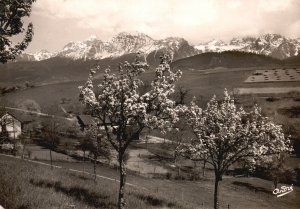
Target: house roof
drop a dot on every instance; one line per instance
(22, 117)
(86, 120)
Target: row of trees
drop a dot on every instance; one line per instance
(222, 133)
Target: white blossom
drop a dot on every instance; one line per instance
(124, 111)
(230, 134)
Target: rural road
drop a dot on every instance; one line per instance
(34, 112)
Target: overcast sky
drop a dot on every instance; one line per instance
(56, 22)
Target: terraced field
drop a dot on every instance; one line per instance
(274, 75)
(266, 90)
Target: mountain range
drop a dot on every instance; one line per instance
(273, 45)
(123, 43)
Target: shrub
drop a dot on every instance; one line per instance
(168, 175)
(272, 99)
(7, 147)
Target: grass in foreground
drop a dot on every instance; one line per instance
(24, 185)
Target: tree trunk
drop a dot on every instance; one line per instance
(275, 181)
(23, 151)
(24, 143)
(216, 192)
(203, 168)
(121, 202)
(51, 158)
(95, 163)
(195, 174)
(15, 146)
(83, 160)
(178, 172)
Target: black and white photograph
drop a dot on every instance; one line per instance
(149, 104)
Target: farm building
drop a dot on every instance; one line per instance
(85, 121)
(12, 124)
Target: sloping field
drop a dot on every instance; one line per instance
(275, 75)
(267, 90)
(201, 85)
(47, 96)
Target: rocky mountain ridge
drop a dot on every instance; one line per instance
(273, 45)
(124, 43)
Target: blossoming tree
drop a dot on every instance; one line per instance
(124, 109)
(225, 135)
(11, 24)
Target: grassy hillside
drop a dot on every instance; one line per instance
(295, 60)
(202, 84)
(28, 185)
(49, 71)
(228, 59)
(56, 80)
(57, 69)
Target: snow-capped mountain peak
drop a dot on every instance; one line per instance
(42, 55)
(274, 45)
(125, 43)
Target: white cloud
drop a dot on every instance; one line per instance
(294, 29)
(194, 12)
(234, 4)
(74, 8)
(194, 20)
(104, 12)
(274, 5)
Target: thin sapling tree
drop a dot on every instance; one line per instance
(51, 136)
(96, 145)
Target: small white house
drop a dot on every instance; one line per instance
(11, 125)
